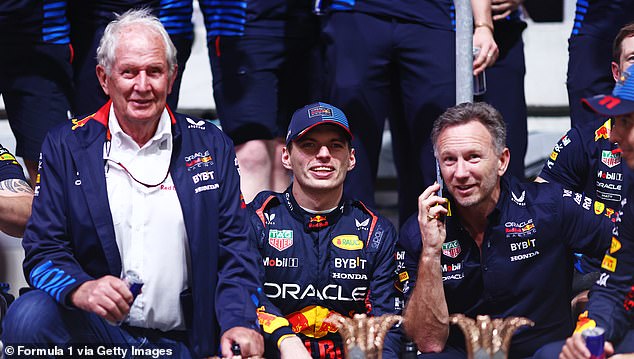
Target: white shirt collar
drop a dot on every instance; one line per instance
(162, 137)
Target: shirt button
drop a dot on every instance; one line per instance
(486, 268)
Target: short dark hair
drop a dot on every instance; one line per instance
(467, 112)
(625, 32)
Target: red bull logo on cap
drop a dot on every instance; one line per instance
(319, 111)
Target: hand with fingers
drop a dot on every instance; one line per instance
(108, 297)
(504, 8)
(250, 341)
(483, 40)
(431, 214)
(575, 348)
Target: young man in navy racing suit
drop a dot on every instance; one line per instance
(321, 254)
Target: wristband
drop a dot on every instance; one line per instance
(483, 24)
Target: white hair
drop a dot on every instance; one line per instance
(110, 38)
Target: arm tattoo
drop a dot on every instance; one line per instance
(15, 186)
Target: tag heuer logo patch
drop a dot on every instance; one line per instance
(280, 239)
(451, 249)
(610, 159)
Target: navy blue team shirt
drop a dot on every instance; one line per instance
(585, 161)
(524, 267)
(611, 304)
(34, 21)
(598, 17)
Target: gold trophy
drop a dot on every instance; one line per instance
(363, 336)
(486, 338)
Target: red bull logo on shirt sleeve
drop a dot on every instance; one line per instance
(270, 322)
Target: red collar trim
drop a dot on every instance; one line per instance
(102, 115)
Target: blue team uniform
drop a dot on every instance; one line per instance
(524, 266)
(611, 303)
(590, 51)
(264, 61)
(88, 20)
(505, 87)
(71, 211)
(176, 17)
(396, 60)
(585, 161)
(316, 265)
(35, 69)
(9, 167)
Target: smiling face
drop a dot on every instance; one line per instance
(319, 161)
(139, 81)
(470, 165)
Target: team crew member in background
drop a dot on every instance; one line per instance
(496, 246)
(137, 187)
(265, 65)
(505, 79)
(176, 17)
(611, 302)
(16, 195)
(35, 71)
(396, 60)
(322, 253)
(596, 23)
(88, 20)
(585, 161)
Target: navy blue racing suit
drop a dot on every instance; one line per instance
(585, 161)
(316, 265)
(524, 265)
(611, 304)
